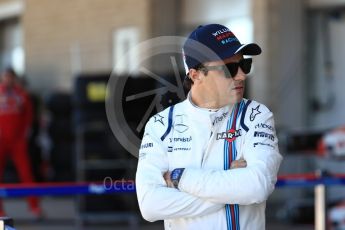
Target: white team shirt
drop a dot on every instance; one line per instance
(199, 140)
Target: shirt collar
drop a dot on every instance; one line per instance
(204, 114)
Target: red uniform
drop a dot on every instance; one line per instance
(15, 121)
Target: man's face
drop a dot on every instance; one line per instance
(222, 89)
(8, 79)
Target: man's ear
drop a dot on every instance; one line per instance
(194, 75)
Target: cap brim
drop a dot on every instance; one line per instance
(249, 49)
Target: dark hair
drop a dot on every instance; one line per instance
(187, 82)
(11, 71)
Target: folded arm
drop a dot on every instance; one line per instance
(243, 186)
(156, 200)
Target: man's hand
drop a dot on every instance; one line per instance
(167, 179)
(240, 163)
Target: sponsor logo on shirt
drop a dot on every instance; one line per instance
(146, 145)
(158, 118)
(264, 126)
(181, 139)
(10, 103)
(179, 125)
(260, 143)
(230, 135)
(263, 134)
(172, 149)
(254, 113)
(220, 118)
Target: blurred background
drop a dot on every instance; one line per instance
(64, 52)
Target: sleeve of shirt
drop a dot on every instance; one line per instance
(156, 200)
(243, 186)
(27, 113)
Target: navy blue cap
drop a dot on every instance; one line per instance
(214, 42)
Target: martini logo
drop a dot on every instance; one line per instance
(230, 135)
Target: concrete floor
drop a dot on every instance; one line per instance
(60, 213)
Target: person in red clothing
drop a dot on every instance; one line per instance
(15, 122)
